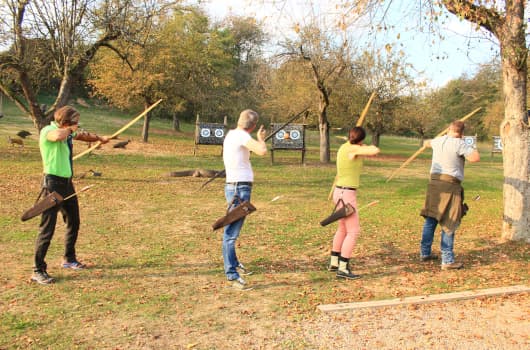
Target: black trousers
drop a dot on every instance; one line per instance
(70, 211)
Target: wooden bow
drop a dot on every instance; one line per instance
(422, 148)
(359, 123)
(128, 125)
(365, 110)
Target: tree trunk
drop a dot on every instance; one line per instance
(176, 123)
(515, 133)
(36, 114)
(376, 136)
(145, 129)
(147, 119)
(323, 126)
(422, 141)
(324, 142)
(323, 123)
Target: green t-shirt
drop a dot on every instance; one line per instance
(55, 155)
(348, 171)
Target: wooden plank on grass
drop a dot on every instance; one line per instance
(424, 299)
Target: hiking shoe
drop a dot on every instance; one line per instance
(429, 257)
(42, 277)
(243, 270)
(240, 284)
(452, 266)
(74, 265)
(347, 275)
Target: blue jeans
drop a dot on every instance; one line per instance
(446, 244)
(231, 231)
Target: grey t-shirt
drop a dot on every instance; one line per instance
(448, 156)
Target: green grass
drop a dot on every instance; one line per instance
(156, 275)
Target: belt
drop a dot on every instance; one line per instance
(58, 178)
(346, 188)
(242, 183)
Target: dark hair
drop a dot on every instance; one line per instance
(356, 135)
(65, 115)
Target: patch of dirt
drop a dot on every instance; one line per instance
(485, 323)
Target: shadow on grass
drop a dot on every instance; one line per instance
(388, 261)
(396, 259)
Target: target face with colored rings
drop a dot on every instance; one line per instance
(219, 133)
(295, 134)
(280, 135)
(205, 132)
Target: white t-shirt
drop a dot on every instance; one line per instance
(236, 156)
(448, 156)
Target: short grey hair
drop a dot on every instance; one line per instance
(247, 119)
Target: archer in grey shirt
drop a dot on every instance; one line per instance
(448, 156)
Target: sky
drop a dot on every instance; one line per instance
(461, 51)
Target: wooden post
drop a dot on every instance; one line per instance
(196, 134)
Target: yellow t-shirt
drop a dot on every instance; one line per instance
(348, 171)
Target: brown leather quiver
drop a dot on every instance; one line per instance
(346, 210)
(48, 202)
(239, 212)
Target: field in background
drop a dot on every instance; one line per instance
(156, 279)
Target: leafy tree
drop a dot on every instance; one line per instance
(419, 113)
(70, 34)
(327, 60)
(184, 62)
(349, 97)
(385, 74)
(464, 94)
(250, 71)
(288, 90)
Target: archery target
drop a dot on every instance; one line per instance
(210, 134)
(470, 140)
(497, 143)
(295, 134)
(289, 137)
(219, 133)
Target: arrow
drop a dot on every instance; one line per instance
(81, 190)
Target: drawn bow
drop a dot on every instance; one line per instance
(128, 125)
(422, 148)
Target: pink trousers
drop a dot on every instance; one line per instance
(349, 227)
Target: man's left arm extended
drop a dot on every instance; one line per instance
(90, 137)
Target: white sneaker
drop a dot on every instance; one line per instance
(243, 270)
(241, 284)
